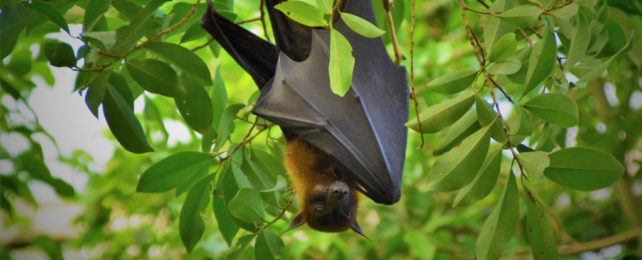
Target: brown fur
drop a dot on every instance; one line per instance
(310, 169)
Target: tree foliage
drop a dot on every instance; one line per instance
(525, 111)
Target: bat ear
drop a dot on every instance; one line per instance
(296, 222)
(357, 228)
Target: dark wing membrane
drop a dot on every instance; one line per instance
(292, 38)
(383, 89)
(257, 56)
(300, 101)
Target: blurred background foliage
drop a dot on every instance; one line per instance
(114, 213)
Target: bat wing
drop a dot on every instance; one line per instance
(257, 56)
(364, 130)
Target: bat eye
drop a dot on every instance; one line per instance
(318, 210)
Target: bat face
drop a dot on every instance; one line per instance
(331, 207)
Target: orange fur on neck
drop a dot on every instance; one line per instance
(307, 167)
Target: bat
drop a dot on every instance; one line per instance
(336, 146)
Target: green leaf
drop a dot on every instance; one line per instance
(268, 245)
(442, 115)
(13, 20)
(522, 15)
(521, 124)
(595, 71)
(96, 92)
(191, 225)
(226, 224)
(138, 27)
(302, 13)
(505, 67)
(501, 225)
(484, 180)
(453, 82)
(457, 168)
(49, 246)
(534, 163)
(49, 11)
(539, 230)
(541, 61)
(247, 206)
(94, 12)
(195, 106)
(461, 129)
(554, 108)
(325, 5)
(579, 42)
(108, 39)
(194, 32)
(183, 58)
(341, 63)
(59, 54)
(487, 116)
(505, 47)
(495, 28)
(361, 26)
(226, 125)
(172, 171)
(122, 122)
(583, 168)
(156, 77)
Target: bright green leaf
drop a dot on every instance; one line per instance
(108, 39)
(579, 42)
(302, 13)
(341, 63)
(583, 168)
(486, 116)
(361, 26)
(442, 115)
(453, 82)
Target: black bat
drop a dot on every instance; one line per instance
(363, 131)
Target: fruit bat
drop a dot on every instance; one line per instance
(336, 146)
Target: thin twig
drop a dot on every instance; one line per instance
(530, 42)
(393, 33)
(262, 13)
(203, 45)
(483, 3)
(412, 71)
(249, 20)
(285, 208)
(600, 243)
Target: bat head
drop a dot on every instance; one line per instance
(329, 207)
